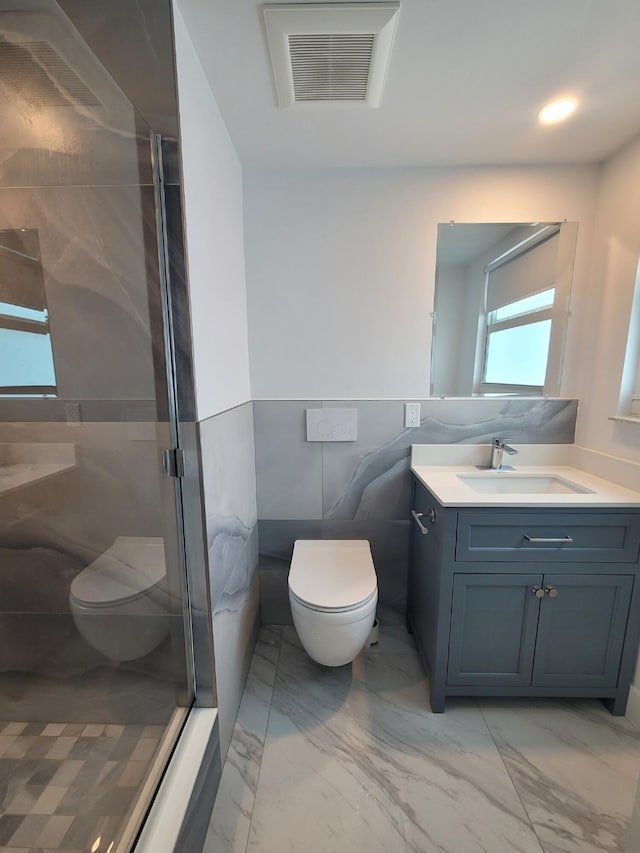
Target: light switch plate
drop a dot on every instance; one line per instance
(332, 424)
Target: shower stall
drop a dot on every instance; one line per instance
(98, 664)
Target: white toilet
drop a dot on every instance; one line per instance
(333, 591)
(119, 602)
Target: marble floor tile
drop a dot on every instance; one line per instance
(351, 759)
(575, 767)
(231, 818)
(392, 634)
(354, 761)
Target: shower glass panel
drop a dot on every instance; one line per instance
(95, 654)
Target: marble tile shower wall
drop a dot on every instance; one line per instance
(361, 489)
(95, 224)
(99, 261)
(228, 470)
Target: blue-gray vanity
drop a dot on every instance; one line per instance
(524, 594)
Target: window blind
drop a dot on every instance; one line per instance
(529, 272)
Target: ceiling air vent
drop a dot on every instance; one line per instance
(36, 72)
(330, 54)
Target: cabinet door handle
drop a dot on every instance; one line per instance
(551, 591)
(416, 517)
(538, 591)
(549, 540)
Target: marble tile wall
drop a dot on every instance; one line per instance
(50, 530)
(95, 218)
(361, 489)
(91, 138)
(228, 466)
(99, 260)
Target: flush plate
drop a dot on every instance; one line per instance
(332, 424)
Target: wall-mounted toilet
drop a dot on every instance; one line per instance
(119, 602)
(333, 591)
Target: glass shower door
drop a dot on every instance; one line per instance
(95, 657)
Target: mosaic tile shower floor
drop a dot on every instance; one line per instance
(70, 787)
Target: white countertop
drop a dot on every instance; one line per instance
(23, 464)
(443, 480)
(17, 476)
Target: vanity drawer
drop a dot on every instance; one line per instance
(559, 537)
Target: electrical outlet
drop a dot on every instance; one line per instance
(73, 414)
(412, 414)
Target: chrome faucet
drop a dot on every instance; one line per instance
(498, 449)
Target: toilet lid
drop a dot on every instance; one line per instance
(332, 573)
(130, 567)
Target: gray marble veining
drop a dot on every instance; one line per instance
(575, 767)
(229, 480)
(231, 818)
(389, 547)
(288, 468)
(369, 478)
(99, 274)
(235, 627)
(362, 489)
(228, 470)
(376, 484)
(350, 758)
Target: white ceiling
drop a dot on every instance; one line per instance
(465, 82)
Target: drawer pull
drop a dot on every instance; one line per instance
(549, 540)
(416, 517)
(538, 591)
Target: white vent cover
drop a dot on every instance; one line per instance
(37, 72)
(330, 54)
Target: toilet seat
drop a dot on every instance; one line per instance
(332, 575)
(127, 571)
(319, 609)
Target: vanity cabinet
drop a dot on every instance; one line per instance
(525, 602)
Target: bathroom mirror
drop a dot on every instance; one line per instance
(501, 308)
(26, 356)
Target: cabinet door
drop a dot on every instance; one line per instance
(581, 630)
(493, 629)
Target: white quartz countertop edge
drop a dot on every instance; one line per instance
(18, 476)
(444, 483)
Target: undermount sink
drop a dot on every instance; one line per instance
(506, 483)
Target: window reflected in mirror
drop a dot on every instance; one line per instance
(26, 354)
(501, 308)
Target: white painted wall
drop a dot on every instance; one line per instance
(616, 250)
(212, 177)
(452, 300)
(341, 266)
(606, 314)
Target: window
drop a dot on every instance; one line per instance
(629, 402)
(520, 295)
(26, 355)
(517, 342)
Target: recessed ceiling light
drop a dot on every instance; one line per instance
(557, 110)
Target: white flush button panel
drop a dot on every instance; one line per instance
(332, 424)
(412, 414)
